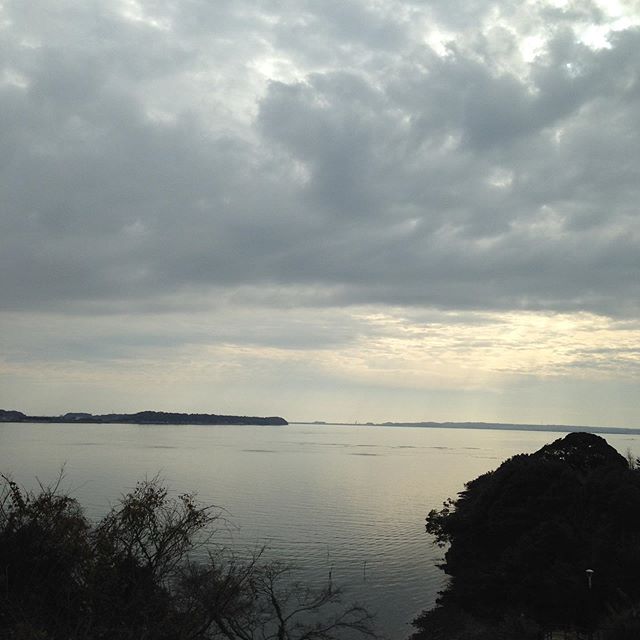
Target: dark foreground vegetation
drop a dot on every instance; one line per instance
(143, 417)
(547, 541)
(131, 576)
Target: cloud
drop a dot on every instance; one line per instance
(182, 164)
(415, 179)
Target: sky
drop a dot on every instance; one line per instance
(341, 210)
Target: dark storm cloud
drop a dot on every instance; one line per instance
(145, 157)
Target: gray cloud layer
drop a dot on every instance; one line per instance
(318, 153)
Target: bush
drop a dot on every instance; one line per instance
(131, 577)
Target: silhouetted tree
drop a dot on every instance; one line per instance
(519, 540)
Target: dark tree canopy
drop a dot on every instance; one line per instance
(520, 539)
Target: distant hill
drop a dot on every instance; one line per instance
(11, 416)
(499, 426)
(142, 417)
(554, 428)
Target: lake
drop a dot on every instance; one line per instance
(347, 499)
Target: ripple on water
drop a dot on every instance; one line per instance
(299, 490)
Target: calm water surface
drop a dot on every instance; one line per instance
(346, 499)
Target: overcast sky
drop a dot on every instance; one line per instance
(322, 209)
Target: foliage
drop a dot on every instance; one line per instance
(44, 552)
(132, 577)
(519, 540)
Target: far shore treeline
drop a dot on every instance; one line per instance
(143, 417)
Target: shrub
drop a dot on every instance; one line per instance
(131, 576)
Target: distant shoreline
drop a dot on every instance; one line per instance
(171, 418)
(494, 426)
(143, 417)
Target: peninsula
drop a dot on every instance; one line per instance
(143, 417)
